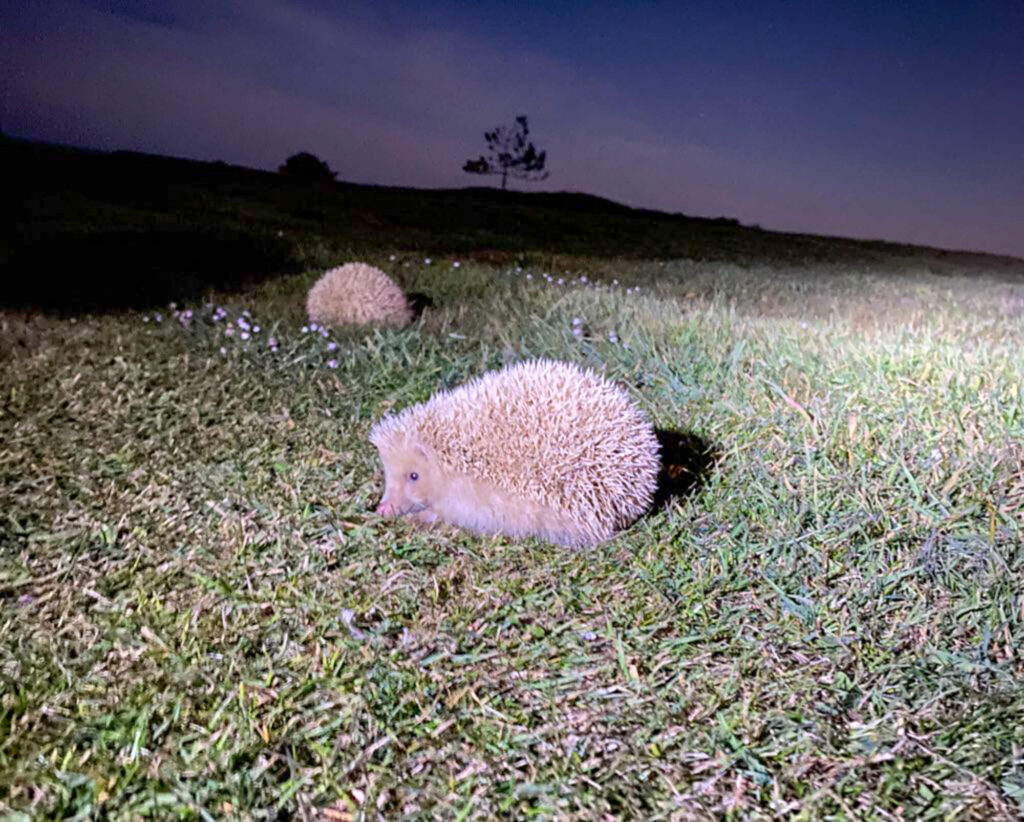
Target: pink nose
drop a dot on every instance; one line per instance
(386, 509)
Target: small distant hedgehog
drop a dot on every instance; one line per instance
(541, 448)
(357, 294)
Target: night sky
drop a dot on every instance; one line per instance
(891, 120)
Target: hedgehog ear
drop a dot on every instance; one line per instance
(419, 449)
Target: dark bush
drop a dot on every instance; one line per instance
(306, 166)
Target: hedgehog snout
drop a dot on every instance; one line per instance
(386, 508)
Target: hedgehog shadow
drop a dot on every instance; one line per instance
(687, 462)
(419, 303)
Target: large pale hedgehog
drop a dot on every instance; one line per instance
(541, 448)
(357, 294)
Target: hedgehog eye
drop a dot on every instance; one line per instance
(413, 476)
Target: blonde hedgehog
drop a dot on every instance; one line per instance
(541, 448)
(357, 294)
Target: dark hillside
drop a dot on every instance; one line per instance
(87, 225)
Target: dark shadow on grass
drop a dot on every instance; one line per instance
(419, 302)
(687, 461)
(68, 271)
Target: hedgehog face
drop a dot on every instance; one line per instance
(411, 479)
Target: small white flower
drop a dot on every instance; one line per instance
(313, 326)
(577, 321)
(332, 346)
(629, 290)
(613, 338)
(305, 329)
(529, 276)
(561, 281)
(246, 313)
(158, 318)
(583, 278)
(223, 350)
(456, 264)
(145, 318)
(615, 282)
(392, 258)
(803, 324)
(577, 331)
(244, 335)
(172, 305)
(332, 363)
(427, 261)
(255, 329)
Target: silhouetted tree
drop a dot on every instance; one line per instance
(306, 166)
(509, 152)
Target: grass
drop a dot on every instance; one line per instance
(200, 617)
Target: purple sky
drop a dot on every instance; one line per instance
(901, 121)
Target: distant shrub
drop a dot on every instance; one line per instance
(358, 294)
(306, 166)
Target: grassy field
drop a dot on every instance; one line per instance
(200, 616)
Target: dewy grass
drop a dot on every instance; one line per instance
(201, 617)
